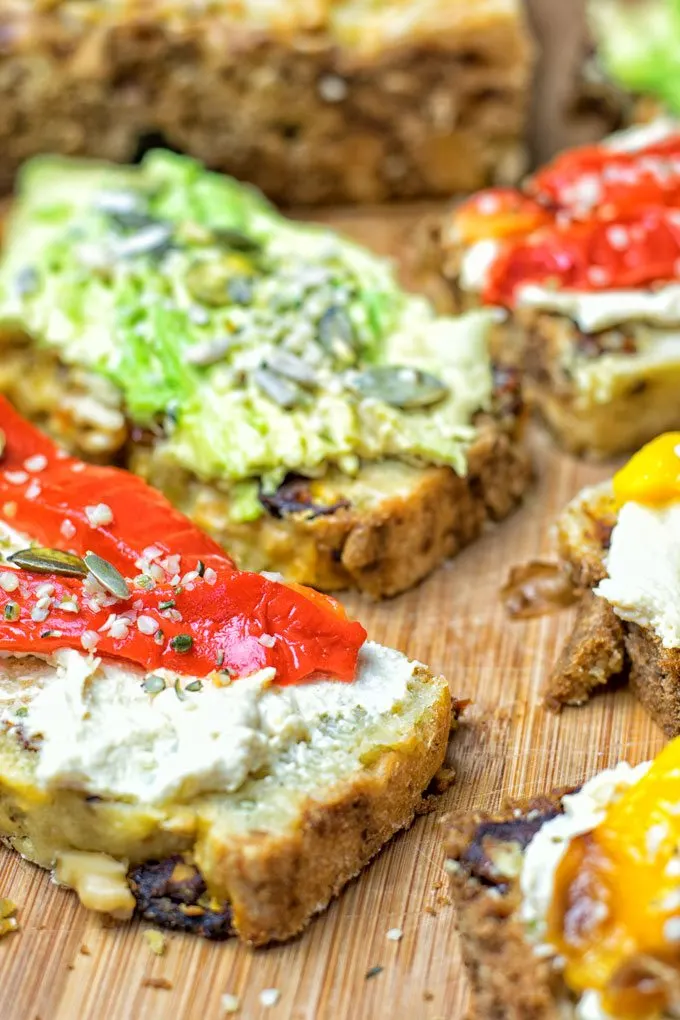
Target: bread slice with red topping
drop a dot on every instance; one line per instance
(215, 749)
(584, 262)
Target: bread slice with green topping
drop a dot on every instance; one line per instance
(272, 378)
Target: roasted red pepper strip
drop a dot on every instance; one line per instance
(606, 182)
(235, 620)
(632, 251)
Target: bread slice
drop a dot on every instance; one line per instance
(328, 102)
(258, 862)
(603, 647)
(342, 489)
(484, 855)
(601, 368)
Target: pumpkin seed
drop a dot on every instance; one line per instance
(336, 334)
(152, 239)
(210, 352)
(194, 686)
(283, 392)
(236, 240)
(290, 366)
(49, 561)
(179, 690)
(399, 386)
(212, 283)
(26, 281)
(154, 684)
(107, 575)
(181, 643)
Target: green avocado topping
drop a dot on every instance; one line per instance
(639, 45)
(260, 345)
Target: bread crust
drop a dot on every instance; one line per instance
(509, 982)
(265, 886)
(312, 103)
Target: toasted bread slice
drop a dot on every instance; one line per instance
(381, 531)
(600, 361)
(333, 102)
(484, 855)
(602, 646)
(258, 862)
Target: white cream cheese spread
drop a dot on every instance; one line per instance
(97, 729)
(643, 564)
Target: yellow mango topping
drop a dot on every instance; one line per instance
(615, 913)
(652, 475)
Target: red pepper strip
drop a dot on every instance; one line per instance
(141, 515)
(225, 619)
(630, 252)
(595, 179)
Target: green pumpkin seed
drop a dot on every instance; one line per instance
(290, 366)
(181, 643)
(49, 561)
(283, 392)
(210, 352)
(194, 686)
(399, 386)
(154, 684)
(152, 239)
(107, 575)
(235, 240)
(213, 283)
(179, 690)
(336, 334)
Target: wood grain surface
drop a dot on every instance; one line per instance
(68, 965)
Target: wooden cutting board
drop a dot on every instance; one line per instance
(68, 965)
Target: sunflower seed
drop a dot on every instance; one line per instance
(336, 334)
(284, 393)
(154, 684)
(291, 367)
(236, 240)
(399, 386)
(216, 283)
(49, 561)
(153, 239)
(107, 575)
(209, 352)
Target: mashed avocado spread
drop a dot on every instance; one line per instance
(257, 345)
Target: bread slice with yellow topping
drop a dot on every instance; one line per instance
(219, 750)
(271, 378)
(569, 905)
(618, 544)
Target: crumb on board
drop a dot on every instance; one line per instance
(155, 940)
(230, 1003)
(161, 983)
(85, 950)
(429, 909)
(269, 996)
(373, 971)
(428, 996)
(395, 935)
(8, 920)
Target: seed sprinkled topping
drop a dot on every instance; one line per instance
(38, 462)
(194, 686)
(154, 684)
(99, 515)
(9, 580)
(147, 625)
(107, 575)
(12, 611)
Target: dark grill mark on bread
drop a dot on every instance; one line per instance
(293, 496)
(170, 893)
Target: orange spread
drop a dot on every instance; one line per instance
(615, 914)
(652, 475)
